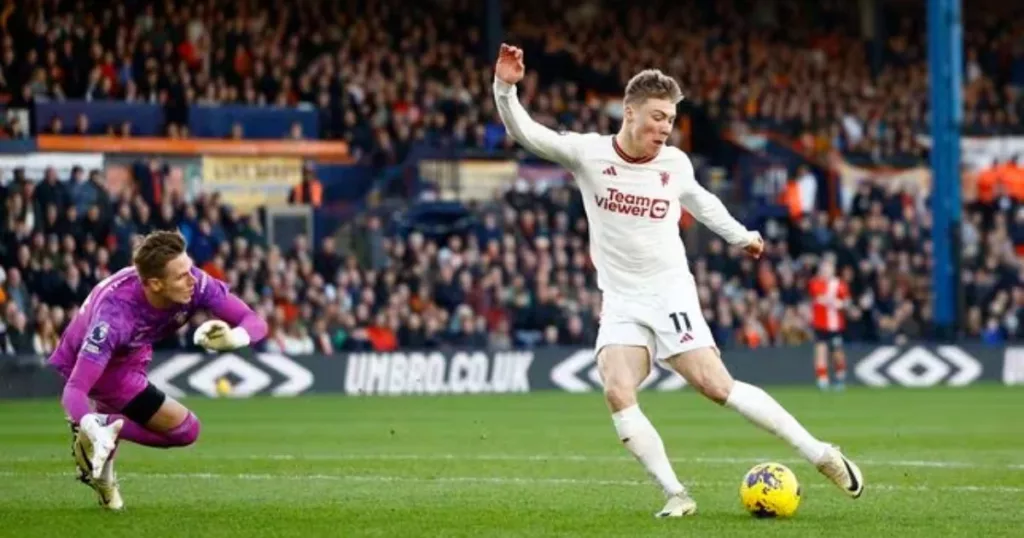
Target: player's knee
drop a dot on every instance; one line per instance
(714, 387)
(704, 371)
(187, 433)
(619, 394)
(718, 392)
(622, 368)
(192, 435)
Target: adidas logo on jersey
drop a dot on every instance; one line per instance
(686, 338)
(610, 171)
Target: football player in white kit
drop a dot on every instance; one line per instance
(634, 188)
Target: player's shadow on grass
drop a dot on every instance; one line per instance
(731, 516)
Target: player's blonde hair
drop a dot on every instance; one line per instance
(159, 247)
(652, 84)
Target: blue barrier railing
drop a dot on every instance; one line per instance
(203, 121)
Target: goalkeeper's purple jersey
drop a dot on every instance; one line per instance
(116, 326)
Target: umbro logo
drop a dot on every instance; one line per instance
(268, 373)
(610, 171)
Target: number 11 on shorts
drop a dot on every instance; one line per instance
(676, 317)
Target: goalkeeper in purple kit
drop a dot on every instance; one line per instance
(104, 352)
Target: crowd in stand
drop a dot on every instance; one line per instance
(386, 75)
(519, 276)
(390, 74)
(796, 68)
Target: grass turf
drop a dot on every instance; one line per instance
(943, 462)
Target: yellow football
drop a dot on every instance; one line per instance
(770, 490)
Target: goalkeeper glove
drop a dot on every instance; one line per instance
(215, 335)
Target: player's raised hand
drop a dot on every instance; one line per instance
(755, 248)
(510, 67)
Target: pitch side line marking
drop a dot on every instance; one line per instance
(941, 464)
(553, 481)
(937, 464)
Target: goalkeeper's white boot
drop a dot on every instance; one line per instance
(842, 472)
(106, 486)
(98, 441)
(107, 489)
(678, 506)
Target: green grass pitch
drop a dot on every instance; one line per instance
(943, 462)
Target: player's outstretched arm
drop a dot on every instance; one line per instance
(98, 346)
(536, 138)
(710, 211)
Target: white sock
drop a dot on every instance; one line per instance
(640, 437)
(761, 409)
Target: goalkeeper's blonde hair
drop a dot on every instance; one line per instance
(652, 84)
(156, 250)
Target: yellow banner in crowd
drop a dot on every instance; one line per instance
(249, 182)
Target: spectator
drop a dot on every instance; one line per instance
(322, 338)
(17, 338)
(381, 334)
(45, 340)
(15, 290)
(51, 191)
(309, 191)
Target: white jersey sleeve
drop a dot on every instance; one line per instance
(709, 209)
(563, 148)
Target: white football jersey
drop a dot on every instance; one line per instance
(633, 206)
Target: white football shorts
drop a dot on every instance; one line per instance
(666, 324)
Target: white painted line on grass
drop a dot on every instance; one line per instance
(497, 480)
(938, 464)
(752, 460)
